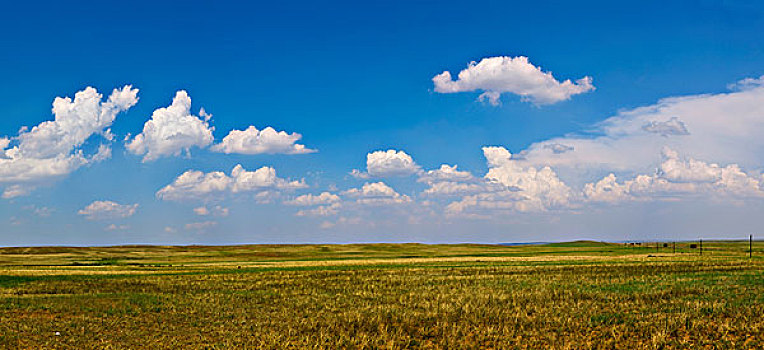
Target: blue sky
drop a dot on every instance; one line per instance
(663, 112)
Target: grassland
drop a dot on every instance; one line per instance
(383, 296)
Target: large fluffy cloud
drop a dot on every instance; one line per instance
(541, 188)
(172, 130)
(75, 121)
(105, 210)
(725, 128)
(55, 148)
(509, 186)
(268, 140)
(197, 185)
(516, 75)
(388, 163)
(678, 177)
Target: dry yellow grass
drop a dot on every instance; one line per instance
(574, 296)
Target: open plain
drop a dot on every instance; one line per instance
(384, 296)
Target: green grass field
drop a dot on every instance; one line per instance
(383, 296)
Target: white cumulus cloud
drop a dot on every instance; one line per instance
(515, 75)
(388, 163)
(194, 184)
(676, 169)
(607, 190)
(512, 186)
(540, 187)
(449, 181)
(75, 121)
(376, 193)
(445, 173)
(678, 177)
(268, 140)
(54, 148)
(172, 130)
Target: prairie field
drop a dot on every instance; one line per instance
(575, 295)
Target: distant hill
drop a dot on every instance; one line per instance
(583, 243)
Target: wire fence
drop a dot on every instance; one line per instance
(747, 247)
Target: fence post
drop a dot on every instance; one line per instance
(750, 246)
(701, 247)
(673, 247)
